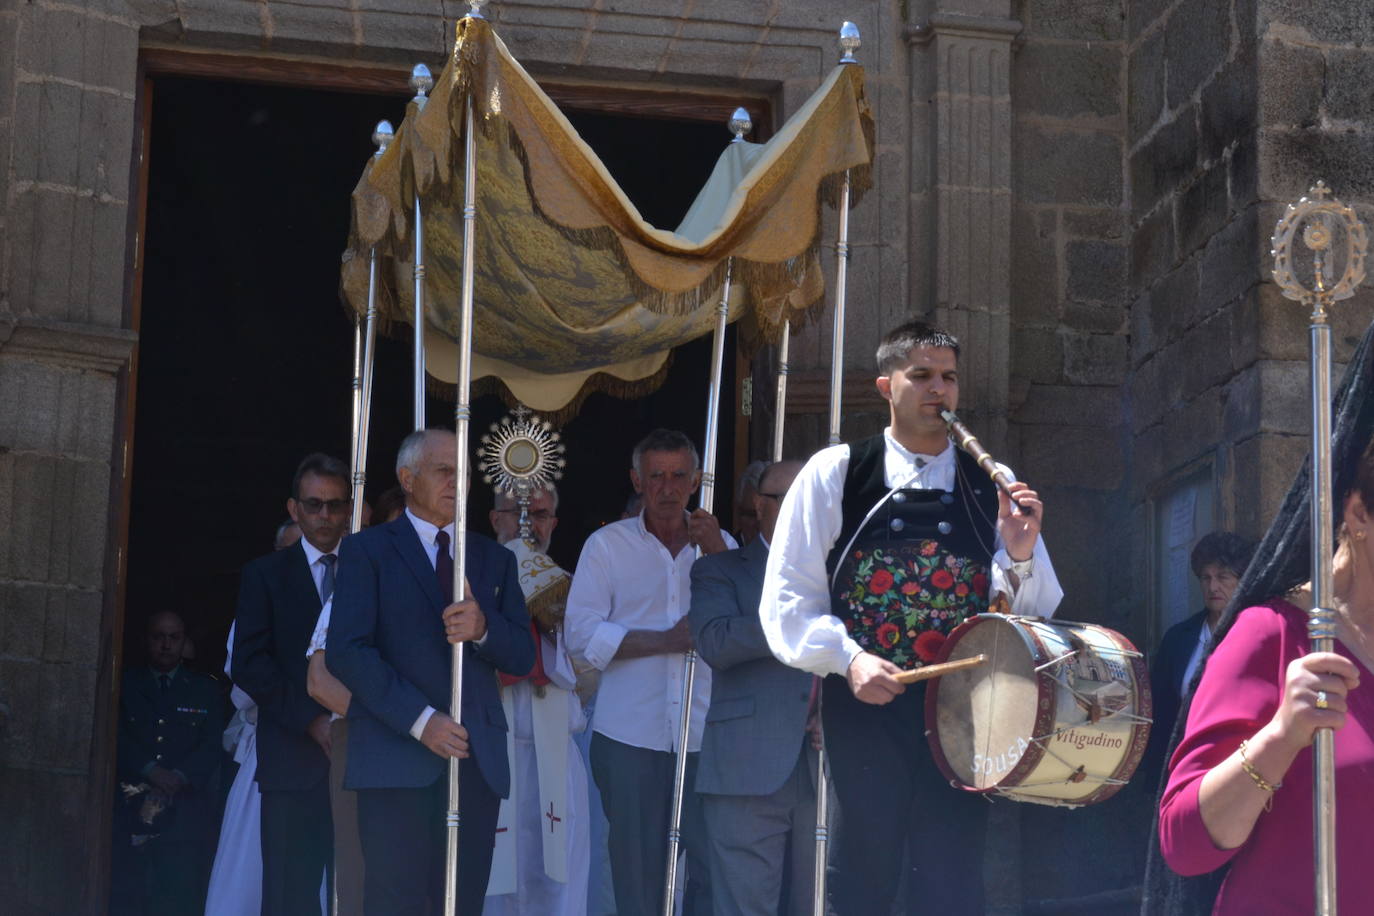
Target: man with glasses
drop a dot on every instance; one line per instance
(279, 601)
(756, 776)
(541, 860)
(543, 513)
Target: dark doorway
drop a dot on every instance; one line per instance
(245, 354)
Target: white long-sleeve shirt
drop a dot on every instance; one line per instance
(627, 580)
(795, 607)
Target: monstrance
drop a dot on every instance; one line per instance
(520, 455)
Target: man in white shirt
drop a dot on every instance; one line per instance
(627, 617)
(881, 549)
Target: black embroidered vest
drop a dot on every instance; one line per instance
(922, 563)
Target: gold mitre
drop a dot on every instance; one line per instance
(544, 583)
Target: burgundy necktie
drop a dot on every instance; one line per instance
(443, 567)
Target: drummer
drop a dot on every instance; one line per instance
(943, 544)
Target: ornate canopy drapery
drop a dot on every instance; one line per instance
(575, 292)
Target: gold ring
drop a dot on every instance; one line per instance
(1322, 702)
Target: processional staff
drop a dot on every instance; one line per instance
(462, 417)
(421, 81)
(1319, 216)
(849, 43)
(689, 661)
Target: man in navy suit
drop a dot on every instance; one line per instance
(393, 619)
(756, 772)
(279, 600)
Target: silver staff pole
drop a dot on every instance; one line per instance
(358, 372)
(849, 42)
(462, 417)
(689, 662)
(364, 355)
(421, 81)
(1319, 215)
(780, 405)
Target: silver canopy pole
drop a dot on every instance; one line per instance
(462, 417)
(837, 330)
(689, 662)
(849, 43)
(365, 346)
(780, 406)
(358, 375)
(421, 81)
(1319, 216)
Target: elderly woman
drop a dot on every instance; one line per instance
(1239, 792)
(1218, 560)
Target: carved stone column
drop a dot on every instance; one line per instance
(963, 59)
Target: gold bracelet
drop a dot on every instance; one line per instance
(1266, 785)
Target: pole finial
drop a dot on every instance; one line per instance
(475, 9)
(382, 135)
(421, 80)
(849, 42)
(740, 124)
(1332, 232)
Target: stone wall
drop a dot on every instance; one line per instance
(1069, 342)
(1069, 316)
(1234, 112)
(66, 138)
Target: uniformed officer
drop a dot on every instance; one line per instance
(170, 724)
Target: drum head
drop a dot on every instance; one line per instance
(984, 716)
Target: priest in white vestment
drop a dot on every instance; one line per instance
(542, 851)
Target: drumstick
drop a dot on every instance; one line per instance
(930, 671)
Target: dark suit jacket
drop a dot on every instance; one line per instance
(1166, 690)
(178, 730)
(757, 719)
(277, 612)
(387, 645)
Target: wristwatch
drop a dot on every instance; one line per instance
(1022, 568)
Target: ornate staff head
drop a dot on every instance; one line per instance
(849, 42)
(1329, 228)
(740, 124)
(522, 454)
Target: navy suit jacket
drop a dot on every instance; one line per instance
(277, 612)
(1166, 682)
(387, 645)
(757, 719)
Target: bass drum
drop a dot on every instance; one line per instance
(1059, 714)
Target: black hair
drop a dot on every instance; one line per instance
(1224, 549)
(898, 343)
(322, 465)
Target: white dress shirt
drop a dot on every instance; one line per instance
(1204, 637)
(795, 607)
(312, 556)
(428, 532)
(320, 637)
(627, 580)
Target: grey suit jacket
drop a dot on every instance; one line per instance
(757, 720)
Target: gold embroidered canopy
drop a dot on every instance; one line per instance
(574, 291)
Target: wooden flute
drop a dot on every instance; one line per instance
(967, 441)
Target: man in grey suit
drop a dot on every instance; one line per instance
(756, 772)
